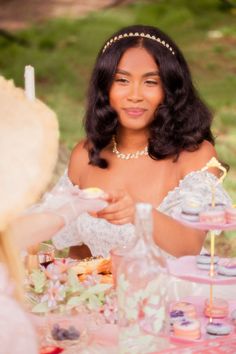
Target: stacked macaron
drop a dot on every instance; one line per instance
(187, 308)
(188, 329)
(176, 316)
(218, 329)
(190, 210)
(219, 214)
(227, 268)
(230, 215)
(217, 308)
(203, 261)
(213, 215)
(183, 322)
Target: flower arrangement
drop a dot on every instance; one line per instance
(57, 289)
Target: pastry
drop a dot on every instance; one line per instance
(187, 308)
(203, 261)
(218, 308)
(91, 193)
(218, 329)
(189, 329)
(93, 265)
(227, 268)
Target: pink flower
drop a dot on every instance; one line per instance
(55, 293)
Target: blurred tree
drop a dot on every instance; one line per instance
(12, 37)
(229, 3)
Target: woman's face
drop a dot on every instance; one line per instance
(136, 91)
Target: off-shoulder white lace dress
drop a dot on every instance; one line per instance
(17, 335)
(101, 236)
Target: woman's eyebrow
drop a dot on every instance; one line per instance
(151, 73)
(123, 72)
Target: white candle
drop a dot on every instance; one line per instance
(29, 82)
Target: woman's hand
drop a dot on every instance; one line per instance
(121, 208)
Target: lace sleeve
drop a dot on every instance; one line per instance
(197, 184)
(68, 235)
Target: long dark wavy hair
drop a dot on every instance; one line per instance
(181, 122)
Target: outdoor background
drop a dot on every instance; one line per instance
(61, 38)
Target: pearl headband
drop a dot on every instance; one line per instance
(137, 34)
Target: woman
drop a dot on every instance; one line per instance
(147, 138)
(24, 175)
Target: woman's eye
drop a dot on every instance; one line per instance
(121, 80)
(151, 82)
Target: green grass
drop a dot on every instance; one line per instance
(63, 52)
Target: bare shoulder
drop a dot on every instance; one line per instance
(195, 160)
(78, 160)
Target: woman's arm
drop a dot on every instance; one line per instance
(31, 229)
(169, 234)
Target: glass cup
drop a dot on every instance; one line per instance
(45, 254)
(117, 255)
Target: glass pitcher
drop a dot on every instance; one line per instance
(142, 291)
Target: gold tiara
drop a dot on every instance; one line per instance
(137, 34)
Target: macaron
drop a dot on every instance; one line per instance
(190, 210)
(176, 316)
(91, 193)
(230, 215)
(217, 309)
(212, 215)
(218, 329)
(188, 329)
(227, 268)
(203, 261)
(187, 308)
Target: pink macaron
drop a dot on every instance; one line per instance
(188, 329)
(217, 309)
(187, 308)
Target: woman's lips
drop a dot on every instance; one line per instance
(134, 112)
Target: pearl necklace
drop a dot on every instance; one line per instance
(134, 155)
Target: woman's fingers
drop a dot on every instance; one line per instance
(120, 210)
(115, 196)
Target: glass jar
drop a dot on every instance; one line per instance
(142, 291)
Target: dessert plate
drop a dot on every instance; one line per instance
(186, 269)
(198, 302)
(205, 226)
